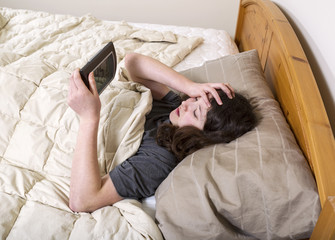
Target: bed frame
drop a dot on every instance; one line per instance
(262, 26)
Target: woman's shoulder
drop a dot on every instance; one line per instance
(172, 97)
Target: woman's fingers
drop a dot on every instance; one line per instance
(212, 89)
(72, 85)
(85, 102)
(92, 83)
(204, 96)
(78, 81)
(228, 90)
(215, 95)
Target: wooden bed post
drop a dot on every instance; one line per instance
(324, 228)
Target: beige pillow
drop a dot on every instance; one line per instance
(258, 186)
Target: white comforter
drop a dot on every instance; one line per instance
(38, 52)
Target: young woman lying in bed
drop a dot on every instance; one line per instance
(213, 113)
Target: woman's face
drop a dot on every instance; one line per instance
(191, 112)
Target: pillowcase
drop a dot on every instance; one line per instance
(258, 186)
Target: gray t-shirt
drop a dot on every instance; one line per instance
(140, 175)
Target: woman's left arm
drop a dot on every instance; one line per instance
(159, 78)
(88, 190)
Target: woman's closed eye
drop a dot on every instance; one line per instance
(197, 111)
(195, 114)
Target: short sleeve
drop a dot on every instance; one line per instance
(140, 175)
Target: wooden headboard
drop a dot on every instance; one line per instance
(262, 26)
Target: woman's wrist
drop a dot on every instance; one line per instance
(181, 84)
(188, 87)
(89, 122)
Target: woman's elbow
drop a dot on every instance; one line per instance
(76, 204)
(129, 59)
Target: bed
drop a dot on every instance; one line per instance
(272, 183)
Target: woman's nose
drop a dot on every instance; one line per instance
(184, 105)
(187, 104)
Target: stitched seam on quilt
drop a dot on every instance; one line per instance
(262, 190)
(197, 183)
(236, 173)
(287, 178)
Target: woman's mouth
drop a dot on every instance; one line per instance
(177, 112)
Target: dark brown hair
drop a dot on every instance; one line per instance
(224, 123)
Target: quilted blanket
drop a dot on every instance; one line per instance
(38, 52)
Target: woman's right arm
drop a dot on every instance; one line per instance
(159, 78)
(88, 190)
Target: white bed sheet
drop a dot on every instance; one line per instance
(217, 43)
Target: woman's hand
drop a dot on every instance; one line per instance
(85, 102)
(206, 90)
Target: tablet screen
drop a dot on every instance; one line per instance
(104, 73)
(103, 66)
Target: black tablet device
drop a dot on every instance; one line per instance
(103, 65)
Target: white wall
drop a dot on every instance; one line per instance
(219, 14)
(313, 23)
